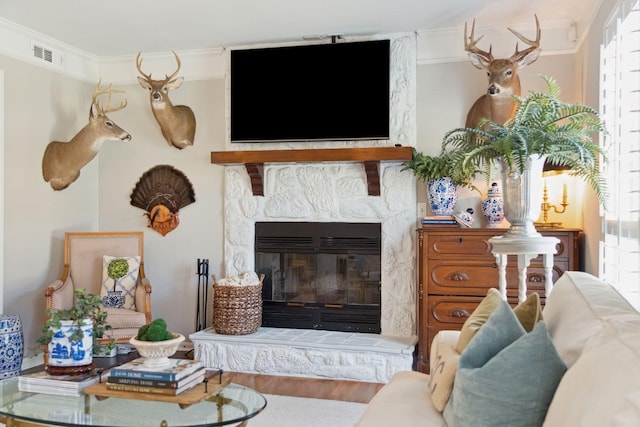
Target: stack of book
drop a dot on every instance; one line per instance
(179, 376)
(440, 220)
(62, 385)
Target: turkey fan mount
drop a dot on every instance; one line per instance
(161, 192)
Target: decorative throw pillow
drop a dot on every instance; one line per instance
(529, 312)
(442, 374)
(505, 376)
(478, 318)
(119, 277)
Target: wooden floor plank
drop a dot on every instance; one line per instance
(319, 388)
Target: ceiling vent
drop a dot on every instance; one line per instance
(46, 54)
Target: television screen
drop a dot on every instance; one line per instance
(337, 91)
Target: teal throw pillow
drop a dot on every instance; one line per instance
(505, 376)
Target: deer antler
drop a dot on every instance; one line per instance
(533, 44)
(148, 76)
(471, 47)
(167, 78)
(101, 91)
(139, 67)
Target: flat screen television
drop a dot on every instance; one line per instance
(337, 91)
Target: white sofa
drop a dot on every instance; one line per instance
(596, 333)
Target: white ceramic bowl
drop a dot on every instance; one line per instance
(157, 353)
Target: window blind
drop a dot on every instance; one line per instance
(620, 111)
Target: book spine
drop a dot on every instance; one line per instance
(142, 382)
(158, 376)
(439, 221)
(141, 389)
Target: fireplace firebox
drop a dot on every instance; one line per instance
(320, 275)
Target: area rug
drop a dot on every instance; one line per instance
(285, 411)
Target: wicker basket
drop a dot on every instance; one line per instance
(237, 310)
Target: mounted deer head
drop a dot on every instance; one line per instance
(177, 123)
(498, 104)
(62, 161)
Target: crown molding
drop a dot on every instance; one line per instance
(16, 41)
(433, 46)
(447, 45)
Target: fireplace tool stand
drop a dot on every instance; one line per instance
(203, 294)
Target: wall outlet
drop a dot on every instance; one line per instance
(422, 210)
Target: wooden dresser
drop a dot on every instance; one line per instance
(456, 268)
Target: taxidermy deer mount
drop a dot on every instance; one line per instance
(497, 104)
(62, 161)
(177, 123)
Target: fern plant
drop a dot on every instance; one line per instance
(542, 125)
(427, 168)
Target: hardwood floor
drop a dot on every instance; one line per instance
(350, 391)
(318, 388)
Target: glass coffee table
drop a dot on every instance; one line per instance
(234, 405)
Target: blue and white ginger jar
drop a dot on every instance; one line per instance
(443, 196)
(492, 206)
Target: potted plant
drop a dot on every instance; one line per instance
(543, 129)
(74, 335)
(443, 177)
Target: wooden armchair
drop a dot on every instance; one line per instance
(83, 268)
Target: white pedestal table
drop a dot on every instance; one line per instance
(525, 248)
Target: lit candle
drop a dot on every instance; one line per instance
(564, 193)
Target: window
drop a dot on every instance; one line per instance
(620, 110)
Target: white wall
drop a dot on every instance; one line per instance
(40, 106)
(170, 261)
(588, 81)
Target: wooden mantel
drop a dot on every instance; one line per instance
(370, 157)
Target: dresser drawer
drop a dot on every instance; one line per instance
(475, 278)
(462, 277)
(460, 246)
(450, 312)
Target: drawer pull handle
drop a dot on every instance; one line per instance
(458, 276)
(459, 312)
(459, 239)
(536, 278)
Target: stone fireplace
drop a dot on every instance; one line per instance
(330, 192)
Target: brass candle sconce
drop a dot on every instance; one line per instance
(552, 170)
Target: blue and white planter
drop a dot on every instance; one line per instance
(443, 196)
(65, 352)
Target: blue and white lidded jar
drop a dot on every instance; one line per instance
(492, 206)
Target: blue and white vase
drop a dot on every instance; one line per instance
(66, 352)
(492, 206)
(11, 346)
(443, 196)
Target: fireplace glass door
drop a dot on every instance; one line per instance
(320, 275)
(321, 278)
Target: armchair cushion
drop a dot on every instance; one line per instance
(119, 278)
(119, 318)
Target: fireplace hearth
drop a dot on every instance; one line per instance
(320, 275)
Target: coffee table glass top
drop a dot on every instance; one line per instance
(233, 405)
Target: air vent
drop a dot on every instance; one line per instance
(46, 54)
